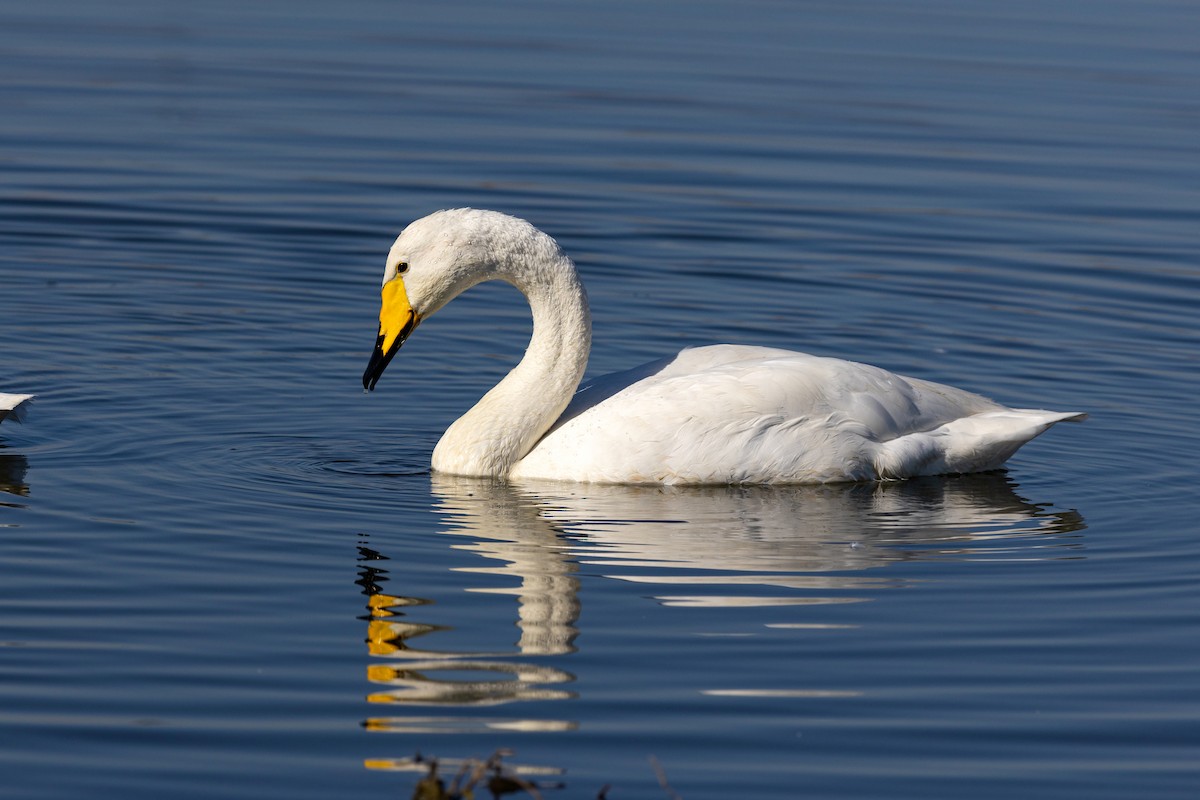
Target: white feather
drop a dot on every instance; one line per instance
(14, 405)
(709, 415)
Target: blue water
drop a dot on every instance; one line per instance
(225, 572)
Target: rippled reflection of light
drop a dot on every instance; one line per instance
(453, 764)
(723, 601)
(421, 678)
(412, 683)
(783, 581)
(429, 725)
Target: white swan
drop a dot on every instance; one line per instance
(13, 405)
(710, 415)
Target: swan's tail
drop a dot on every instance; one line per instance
(14, 405)
(976, 443)
(1051, 417)
(985, 441)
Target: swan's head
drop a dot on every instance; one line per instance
(442, 255)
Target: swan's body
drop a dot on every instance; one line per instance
(13, 405)
(717, 414)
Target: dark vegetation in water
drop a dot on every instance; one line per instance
(497, 778)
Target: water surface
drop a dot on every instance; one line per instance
(225, 572)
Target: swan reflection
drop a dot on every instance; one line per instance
(413, 683)
(820, 542)
(699, 547)
(800, 537)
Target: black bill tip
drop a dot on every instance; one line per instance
(380, 359)
(378, 363)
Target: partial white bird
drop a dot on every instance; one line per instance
(13, 405)
(721, 414)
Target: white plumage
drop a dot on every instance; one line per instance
(13, 405)
(709, 415)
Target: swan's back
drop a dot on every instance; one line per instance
(737, 414)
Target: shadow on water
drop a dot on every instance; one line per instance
(746, 547)
(12, 474)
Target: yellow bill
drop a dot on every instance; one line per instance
(396, 321)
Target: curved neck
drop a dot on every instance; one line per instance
(510, 419)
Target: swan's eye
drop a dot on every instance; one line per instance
(401, 267)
